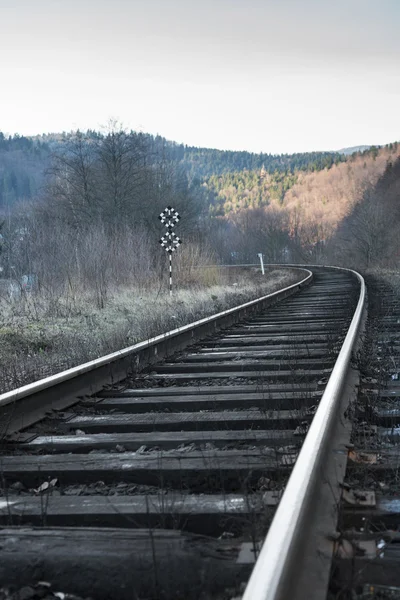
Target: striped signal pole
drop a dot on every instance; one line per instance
(169, 217)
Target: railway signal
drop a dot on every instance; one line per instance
(169, 217)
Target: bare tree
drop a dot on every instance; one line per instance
(72, 188)
(121, 174)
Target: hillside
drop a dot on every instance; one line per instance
(24, 161)
(205, 162)
(248, 189)
(317, 202)
(314, 202)
(368, 236)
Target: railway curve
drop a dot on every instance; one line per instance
(159, 471)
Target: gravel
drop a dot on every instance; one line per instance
(42, 590)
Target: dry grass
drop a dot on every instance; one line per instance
(41, 335)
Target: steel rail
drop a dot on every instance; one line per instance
(153, 344)
(274, 571)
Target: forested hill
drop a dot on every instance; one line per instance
(236, 179)
(248, 189)
(24, 161)
(326, 192)
(204, 162)
(368, 235)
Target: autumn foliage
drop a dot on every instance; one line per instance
(295, 215)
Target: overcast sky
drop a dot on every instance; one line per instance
(260, 75)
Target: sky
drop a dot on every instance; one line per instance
(277, 76)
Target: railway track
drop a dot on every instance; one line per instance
(164, 482)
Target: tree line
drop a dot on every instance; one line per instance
(25, 160)
(92, 223)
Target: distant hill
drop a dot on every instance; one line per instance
(353, 149)
(205, 162)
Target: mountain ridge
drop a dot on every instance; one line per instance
(352, 149)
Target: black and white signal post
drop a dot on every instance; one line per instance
(169, 218)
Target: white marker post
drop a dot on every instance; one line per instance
(260, 256)
(169, 218)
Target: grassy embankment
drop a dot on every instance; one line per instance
(42, 335)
